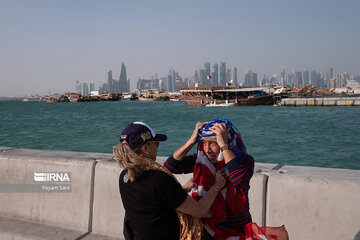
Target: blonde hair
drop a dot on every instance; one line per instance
(129, 159)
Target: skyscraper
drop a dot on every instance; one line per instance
(171, 81)
(313, 79)
(222, 76)
(123, 82)
(203, 77)
(305, 78)
(250, 78)
(78, 87)
(215, 75)
(228, 75)
(110, 79)
(331, 73)
(207, 68)
(234, 76)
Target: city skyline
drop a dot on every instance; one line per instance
(47, 46)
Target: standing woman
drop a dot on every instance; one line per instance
(156, 205)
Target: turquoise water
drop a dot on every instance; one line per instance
(307, 136)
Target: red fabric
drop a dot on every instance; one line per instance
(235, 199)
(254, 232)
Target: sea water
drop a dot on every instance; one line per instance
(306, 136)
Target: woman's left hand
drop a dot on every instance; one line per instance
(189, 185)
(222, 133)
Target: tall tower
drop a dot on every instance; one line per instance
(331, 73)
(234, 76)
(215, 75)
(222, 81)
(110, 79)
(305, 78)
(123, 82)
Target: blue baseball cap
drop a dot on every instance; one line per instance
(137, 134)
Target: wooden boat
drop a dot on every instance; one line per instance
(51, 99)
(199, 96)
(153, 98)
(114, 96)
(153, 95)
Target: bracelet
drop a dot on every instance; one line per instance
(223, 148)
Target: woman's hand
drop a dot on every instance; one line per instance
(194, 136)
(222, 133)
(220, 180)
(189, 185)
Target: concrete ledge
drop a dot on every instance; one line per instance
(315, 203)
(108, 210)
(13, 229)
(64, 209)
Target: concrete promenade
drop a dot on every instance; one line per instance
(74, 195)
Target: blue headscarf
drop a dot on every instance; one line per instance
(234, 134)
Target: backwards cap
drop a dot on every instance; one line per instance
(137, 134)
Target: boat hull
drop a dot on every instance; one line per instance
(261, 100)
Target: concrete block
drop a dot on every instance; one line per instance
(340, 103)
(14, 229)
(329, 102)
(287, 102)
(349, 102)
(357, 102)
(310, 102)
(300, 102)
(108, 210)
(318, 102)
(315, 203)
(62, 208)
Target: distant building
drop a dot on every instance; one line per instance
(196, 77)
(250, 79)
(305, 78)
(123, 85)
(84, 88)
(222, 75)
(234, 76)
(78, 87)
(314, 81)
(215, 75)
(207, 69)
(203, 77)
(145, 84)
(171, 81)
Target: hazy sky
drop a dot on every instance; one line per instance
(46, 45)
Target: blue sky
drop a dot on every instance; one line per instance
(46, 45)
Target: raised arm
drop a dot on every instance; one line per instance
(199, 208)
(184, 149)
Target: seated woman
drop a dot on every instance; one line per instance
(155, 203)
(219, 147)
